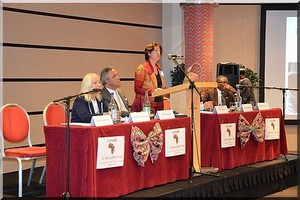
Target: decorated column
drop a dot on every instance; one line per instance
(199, 33)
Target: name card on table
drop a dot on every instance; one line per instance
(101, 120)
(262, 106)
(164, 114)
(220, 109)
(247, 107)
(75, 124)
(175, 143)
(272, 129)
(110, 152)
(139, 117)
(228, 135)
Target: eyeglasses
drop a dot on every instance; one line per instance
(157, 51)
(222, 82)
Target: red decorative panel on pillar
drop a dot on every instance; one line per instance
(198, 30)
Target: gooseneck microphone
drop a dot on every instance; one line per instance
(96, 90)
(174, 57)
(244, 86)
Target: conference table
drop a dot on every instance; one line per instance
(87, 181)
(212, 155)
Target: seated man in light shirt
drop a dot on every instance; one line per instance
(111, 82)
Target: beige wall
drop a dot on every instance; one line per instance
(128, 40)
(237, 35)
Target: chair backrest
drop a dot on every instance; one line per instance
(16, 123)
(167, 104)
(54, 114)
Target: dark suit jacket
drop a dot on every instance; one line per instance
(83, 111)
(247, 92)
(213, 96)
(106, 101)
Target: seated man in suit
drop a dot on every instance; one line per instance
(111, 82)
(222, 95)
(247, 92)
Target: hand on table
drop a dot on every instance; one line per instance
(208, 105)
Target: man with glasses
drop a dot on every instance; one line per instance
(222, 95)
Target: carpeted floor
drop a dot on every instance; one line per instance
(10, 184)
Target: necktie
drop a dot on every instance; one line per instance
(223, 98)
(122, 106)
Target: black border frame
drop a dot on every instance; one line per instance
(264, 9)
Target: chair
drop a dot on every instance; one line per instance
(53, 114)
(16, 129)
(167, 104)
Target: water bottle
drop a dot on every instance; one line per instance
(113, 109)
(238, 99)
(146, 104)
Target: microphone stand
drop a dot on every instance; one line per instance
(66, 100)
(283, 95)
(191, 87)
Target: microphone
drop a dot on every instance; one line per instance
(174, 57)
(243, 86)
(96, 90)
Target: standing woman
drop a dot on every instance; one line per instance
(88, 105)
(149, 77)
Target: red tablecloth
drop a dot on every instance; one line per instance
(87, 181)
(227, 158)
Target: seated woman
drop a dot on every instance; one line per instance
(87, 105)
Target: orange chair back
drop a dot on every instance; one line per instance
(54, 114)
(167, 104)
(15, 123)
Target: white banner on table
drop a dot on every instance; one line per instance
(247, 107)
(263, 106)
(101, 120)
(110, 152)
(228, 135)
(272, 129)
(220, 109)
(164, 114)
(175, 143)
(139, 117)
